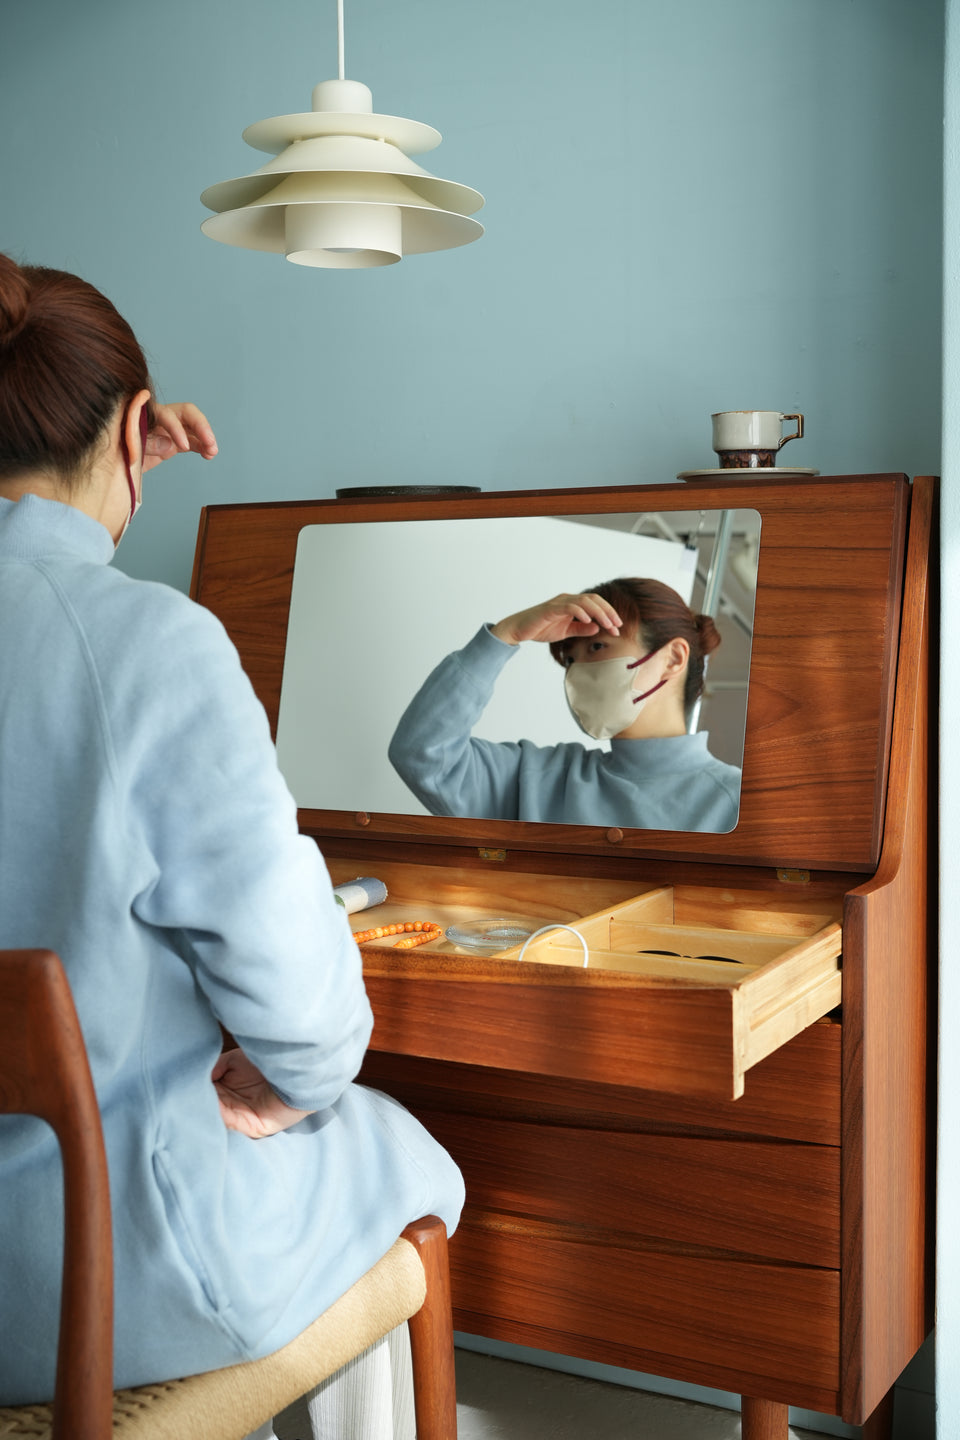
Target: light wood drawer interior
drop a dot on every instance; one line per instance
(682, 991)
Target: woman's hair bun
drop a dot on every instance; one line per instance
(709, 634)
(14, 299)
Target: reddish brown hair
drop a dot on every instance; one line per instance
(67, 360)
(658, 614)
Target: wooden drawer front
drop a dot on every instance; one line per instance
(641, 998)
(792, 1095)
(547, 1020)
(765, 1330)
(752, 1198)
(675, 989)
(613, 1035)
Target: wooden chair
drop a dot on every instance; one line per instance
(44, 1071)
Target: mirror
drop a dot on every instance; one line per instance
(377, 605)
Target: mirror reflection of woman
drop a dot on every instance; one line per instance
(633, 657)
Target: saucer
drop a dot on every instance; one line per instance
(488, 937)
(766, 471)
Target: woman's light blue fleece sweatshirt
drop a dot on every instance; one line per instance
(146, 835)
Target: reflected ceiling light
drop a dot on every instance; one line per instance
(342, 192)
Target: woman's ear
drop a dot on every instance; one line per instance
(677, 654)
(136, 427)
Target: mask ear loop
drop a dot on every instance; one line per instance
(545, 929)
(653, 688)
(144, 432)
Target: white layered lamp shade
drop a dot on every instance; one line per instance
(341, 192)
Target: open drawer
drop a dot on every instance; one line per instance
(683, 990)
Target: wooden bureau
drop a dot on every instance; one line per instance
(713, 1170)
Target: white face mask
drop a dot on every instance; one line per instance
(602, 694)
(135, 502)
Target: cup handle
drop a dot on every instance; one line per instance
(797, 434)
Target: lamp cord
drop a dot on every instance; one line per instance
(340, 38)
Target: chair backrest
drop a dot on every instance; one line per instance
(44, 1071)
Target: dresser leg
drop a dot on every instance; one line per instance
(762, 1419)
(879, 1425)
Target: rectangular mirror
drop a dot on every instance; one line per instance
(376, 607)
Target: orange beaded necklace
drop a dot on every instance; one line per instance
(418, 932)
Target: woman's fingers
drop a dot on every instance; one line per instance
(178, 429)
(601, 611)
(559, 619)
(570, 615)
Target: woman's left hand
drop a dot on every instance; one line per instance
(177, 430)
(248, 1102)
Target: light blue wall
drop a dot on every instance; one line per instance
(691, 206)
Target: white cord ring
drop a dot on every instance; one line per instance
(545, 929)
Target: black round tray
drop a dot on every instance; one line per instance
(358, 492)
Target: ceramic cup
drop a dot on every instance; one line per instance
(746, 439)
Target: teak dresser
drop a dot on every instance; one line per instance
(715, 1170)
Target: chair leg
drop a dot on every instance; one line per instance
(431, 1336)
(763, 1419)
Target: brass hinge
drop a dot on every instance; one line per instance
(794, 877)
(486, 854)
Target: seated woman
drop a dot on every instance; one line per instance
(633, 657)
(148, 837)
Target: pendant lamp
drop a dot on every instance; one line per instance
(342, 192)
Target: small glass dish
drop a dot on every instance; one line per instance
(488, 937)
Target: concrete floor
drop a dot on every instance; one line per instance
(499, 1399)
(503, 1400)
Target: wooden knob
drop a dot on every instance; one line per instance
(362, 818)
(614, 836)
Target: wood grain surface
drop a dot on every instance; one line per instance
(771, 1200)
(622, 1205)
(763, 1329)
(889, 1037)
(792, 1095)
(821, 675)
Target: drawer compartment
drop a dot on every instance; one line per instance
(676, 997)
(758, 1329)
(792, 1095)
(754, 1199)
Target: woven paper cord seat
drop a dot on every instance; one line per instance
(227, 1404)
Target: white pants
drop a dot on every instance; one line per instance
(371, 1398)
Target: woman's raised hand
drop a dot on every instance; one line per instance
(562, 618)
(176, 430)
